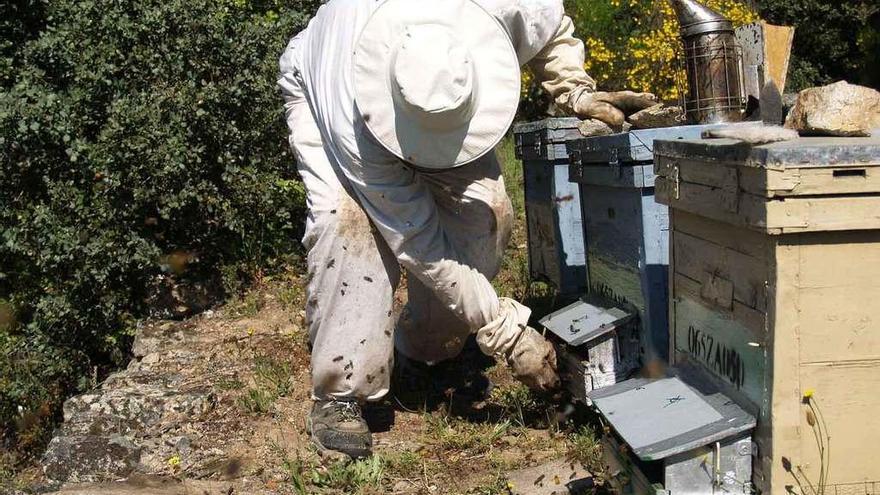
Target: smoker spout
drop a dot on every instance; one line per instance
(695, 19)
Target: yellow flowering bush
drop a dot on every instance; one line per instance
(634, 44)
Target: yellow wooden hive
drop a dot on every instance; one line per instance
(775, 292)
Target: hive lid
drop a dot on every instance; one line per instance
(810, 184)
(544, 139)
(661, 417)
(552, 123)
(582, 322)
(805, 152)
(633, 146)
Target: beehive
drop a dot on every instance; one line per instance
(774, 276)
(625, 229)
(552, 204)
(595, 346)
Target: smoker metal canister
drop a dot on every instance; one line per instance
(713, 62)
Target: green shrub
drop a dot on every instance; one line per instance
(832, 40)
(136, 138)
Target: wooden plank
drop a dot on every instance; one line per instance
(701, 260)
(745, 210)
(777, 52)
(846, 395)
(836, 180)
(833, 213)
(791, 215)
(721, 345)
(719, 175)
(779, 425)
(790, 179)
(674, 219)
(729, 236)
(754, 320)
(838, 279)
(814, 181)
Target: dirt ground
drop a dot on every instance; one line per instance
(249, 359)
(252, 358)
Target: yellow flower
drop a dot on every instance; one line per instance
(808, 393)
(174, 461)
(647, 57)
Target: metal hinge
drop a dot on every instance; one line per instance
(614, 162)
(675, 178)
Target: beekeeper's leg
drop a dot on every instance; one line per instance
(401, 204)
(352, 276)
(477, 217)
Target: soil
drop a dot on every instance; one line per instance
(217, 403)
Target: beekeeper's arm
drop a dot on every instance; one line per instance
(559, 66)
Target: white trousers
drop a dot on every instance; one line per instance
(353, 272)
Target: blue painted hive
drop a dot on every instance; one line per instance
(627, 231)
(552, 204)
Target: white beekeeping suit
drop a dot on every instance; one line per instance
(370, 213)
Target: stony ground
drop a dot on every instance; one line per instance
(216, 405)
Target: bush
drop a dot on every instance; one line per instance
(832, 40)
(137, 138)
(633, 44)
(630, 44)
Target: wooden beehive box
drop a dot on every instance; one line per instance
(596, 345)
(552, 204)
(774, 278)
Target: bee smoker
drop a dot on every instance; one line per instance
(713, 62)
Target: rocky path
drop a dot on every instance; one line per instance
(212, 400)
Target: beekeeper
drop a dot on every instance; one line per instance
(394, 108)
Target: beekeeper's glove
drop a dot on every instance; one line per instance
(611, 107)
(529, 355)
(533, 361)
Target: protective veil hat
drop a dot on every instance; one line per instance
(438, 82)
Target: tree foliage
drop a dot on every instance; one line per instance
(136, 138)
(832, 41)
(634, 44)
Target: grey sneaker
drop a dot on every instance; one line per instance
(339, 426)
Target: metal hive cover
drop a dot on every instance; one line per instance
(804, 152)
(661, 417)
(546, 124)
(637, 145)
(582, 322)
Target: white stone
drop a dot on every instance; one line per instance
(656, 116)
(593, 127)
(839, 109)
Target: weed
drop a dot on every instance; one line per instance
(496, 486)
(256, 401)
(224, 383)
(519, 403)
(273, 374)
(406, 464)
(584, 447)
(248, 304)
(295, 469)
(291, 295)
(273, 379)
(452, 434)
(350, 477)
